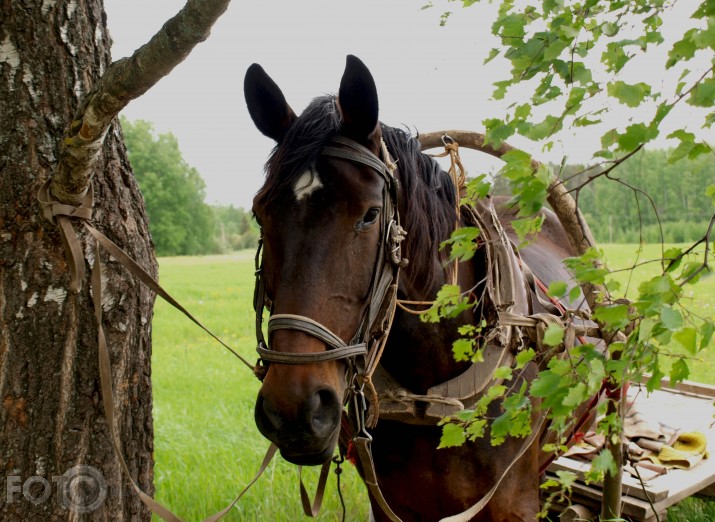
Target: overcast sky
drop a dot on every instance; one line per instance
(428, 77)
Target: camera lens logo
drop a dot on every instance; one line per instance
(82, 489)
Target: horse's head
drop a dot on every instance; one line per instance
(325, 211)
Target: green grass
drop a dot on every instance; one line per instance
(207, 446)
(698, 298)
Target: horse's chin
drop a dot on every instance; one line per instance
(311, 459)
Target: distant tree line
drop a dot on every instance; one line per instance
(642, 198)
(648, 198)
(180, 220)
(620, 207)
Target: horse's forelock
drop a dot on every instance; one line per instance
(300, 148)
(427, 193)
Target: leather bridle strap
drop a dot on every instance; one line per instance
(359, 154)
(383, 280)
(340, 350)
(370, 476)
(311, 509)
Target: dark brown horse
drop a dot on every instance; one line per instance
(328, 222)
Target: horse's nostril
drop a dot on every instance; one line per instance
(267, 419)
(325, 410)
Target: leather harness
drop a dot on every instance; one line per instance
(510, 288)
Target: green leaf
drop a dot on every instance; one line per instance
(478, 187)
(448, 303)
(554, 335)
(706, 334)
(524, 357)
(635, 135)
(503, 372)
(577, 394)
(545, 384)
(686, 145)
(682, 50)
(703, 95)
(497, 131)
(671, 318)
(614, 57)
(603, 463)
(679, 371)
(710, 192)
(527, 227)
(493, 53)
(615, 317)
(557, 288)
(464, 349)
(452, 435)
(631, 95)
(544, 129)
(687, 339)
(462, 243)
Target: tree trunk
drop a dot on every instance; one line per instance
(51, 54)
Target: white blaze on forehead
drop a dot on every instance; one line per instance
(306, 184)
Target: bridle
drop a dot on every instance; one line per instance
(364, 350)
(360, 351)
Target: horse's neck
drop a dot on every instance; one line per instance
(419, 353)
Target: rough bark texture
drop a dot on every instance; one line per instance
(123, 81)
(51, 54)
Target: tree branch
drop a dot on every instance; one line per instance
(123, 81)
(558, 197)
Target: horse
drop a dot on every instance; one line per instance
(352, 216)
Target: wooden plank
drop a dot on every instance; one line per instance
(592, 495)
(689, 408)
(684, 483)
(631, 486)
(687, 387)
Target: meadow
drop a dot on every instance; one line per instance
(207, 446)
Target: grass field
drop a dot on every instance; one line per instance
(206, 444)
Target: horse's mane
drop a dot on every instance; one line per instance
(427, 208)
(426, 191)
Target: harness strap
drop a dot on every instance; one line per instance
(345, 352)
(304, 324)
(360, 154)
(62, 214)
(469, 514)
(362, 444)
(311, 509)
(382, 288)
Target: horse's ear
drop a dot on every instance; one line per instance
(267, 106)
(358, 100)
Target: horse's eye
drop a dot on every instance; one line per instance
(371, 216)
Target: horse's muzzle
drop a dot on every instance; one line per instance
(305, 431)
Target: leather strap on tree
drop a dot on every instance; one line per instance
(62, 215)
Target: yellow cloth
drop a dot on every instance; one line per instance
(688, 449)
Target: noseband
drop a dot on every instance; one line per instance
(383, 290)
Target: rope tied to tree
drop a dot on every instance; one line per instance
(62, 215)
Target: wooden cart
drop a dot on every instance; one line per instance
(689, 407)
